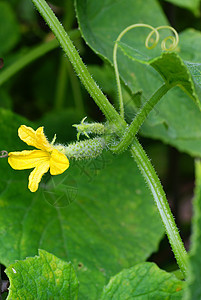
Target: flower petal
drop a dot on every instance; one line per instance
(58, 162)
(34, 138)
(41, 140)
(27, 159)
(36, 175)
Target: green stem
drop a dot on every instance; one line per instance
(74, 57)
(159, 196)
(130, 133)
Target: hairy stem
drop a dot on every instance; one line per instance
(141, 116)
(159, 196)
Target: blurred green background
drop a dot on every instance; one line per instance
(47, 92)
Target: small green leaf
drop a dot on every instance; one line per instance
(193, 280)
(42, 277)
(141, 282)
(10, 34)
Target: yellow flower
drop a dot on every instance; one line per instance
(41, 160)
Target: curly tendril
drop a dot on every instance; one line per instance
(174, 39)
(154, 31)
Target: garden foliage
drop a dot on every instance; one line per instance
(88, 233)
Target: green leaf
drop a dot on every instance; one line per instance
(10, 34)
(141, 282)
(175, 120)
(101, 24)
(189, 44)
(112, 222)
(104, 76)
(174, 72)
(171, 68)
(42, 277)
(193, 279)
(193, 5)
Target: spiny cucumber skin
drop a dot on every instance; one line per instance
(86, 149)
